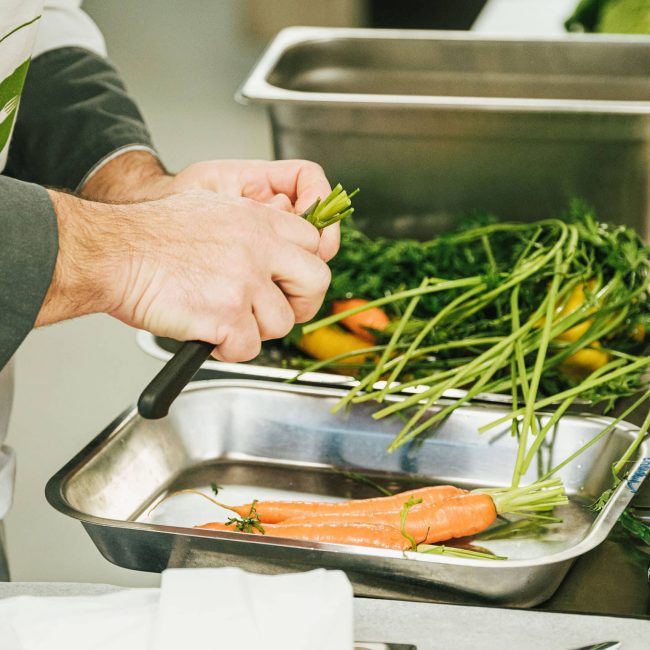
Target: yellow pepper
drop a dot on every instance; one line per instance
(584, 361)
(575, 301)
(327, 342)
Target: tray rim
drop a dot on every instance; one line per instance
(147, 343)
(256, 88)
(600, 528)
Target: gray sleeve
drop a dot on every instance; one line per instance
(74, 112)
(28, 250)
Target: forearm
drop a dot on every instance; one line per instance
(130, 176)
(77, 286)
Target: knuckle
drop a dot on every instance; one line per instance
(305, 310)
(234, 349)
(312, 238)
(285, 325)
(322, 278)
(234, 301)
(250, 350)
(312, 166)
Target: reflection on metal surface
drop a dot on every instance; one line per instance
(251, 436)
(435, 124)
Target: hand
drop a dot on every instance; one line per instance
(289, 185)
(230, 271)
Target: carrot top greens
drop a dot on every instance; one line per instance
(551, 312)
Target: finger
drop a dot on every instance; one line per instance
(303, 278)
(301, 180)
(238, 341)
(330, 240)
(280, 202)
(291, 227)
(273, 313)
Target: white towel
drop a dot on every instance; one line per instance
(121, 620)
(229, 608)
(211, 608)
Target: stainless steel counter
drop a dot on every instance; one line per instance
(433, 626)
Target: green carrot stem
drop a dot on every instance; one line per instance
(464, 373)
(424, 333)
(374, 375)
(558, 413)
(543, 495)
(399, 387)
(642, 362)
(434, 285)
(599, 436)
(529, 412)
(404, 436)
(452, 551)
(634, 445)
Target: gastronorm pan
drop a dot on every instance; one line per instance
(433, 124)
(264, 439)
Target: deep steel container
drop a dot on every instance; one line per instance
(434, 124)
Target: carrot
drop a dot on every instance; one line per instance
(327, 342)
(363, 322)
(356, 534)
(273, 512)
(460, 515)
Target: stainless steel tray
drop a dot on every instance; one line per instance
(434, 124)
(268, 366)
(263, 438)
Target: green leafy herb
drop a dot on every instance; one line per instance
(635, 527)
(215, 488)
(248, 523)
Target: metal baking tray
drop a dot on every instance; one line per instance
(261, 439)
(433, 124)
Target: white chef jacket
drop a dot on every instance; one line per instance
(29, 28)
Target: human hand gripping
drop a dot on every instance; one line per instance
(227, 270)
(289, 185)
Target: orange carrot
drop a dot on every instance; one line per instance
(362, 323)
(273, 512)
(460, 515)
(357, 534)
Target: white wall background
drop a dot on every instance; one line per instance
(182, 61)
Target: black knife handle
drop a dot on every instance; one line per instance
(165, 387)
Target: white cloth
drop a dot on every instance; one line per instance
(64, 24)
(121, 620)
(194, 608)
(232, 608)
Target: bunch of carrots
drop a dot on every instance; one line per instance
(403, 521)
